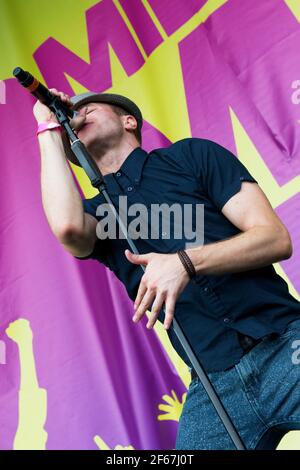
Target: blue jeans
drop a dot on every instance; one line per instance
(261, 395)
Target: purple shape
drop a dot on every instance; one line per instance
(143, 25)
(104, 26)
(213, 81)
(153, 138)
(289, 212)
(103, 374)
(174, 13)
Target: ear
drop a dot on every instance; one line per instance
(130, 123)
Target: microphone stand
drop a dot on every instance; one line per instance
(97, 181)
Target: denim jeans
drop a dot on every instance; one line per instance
(261, 394)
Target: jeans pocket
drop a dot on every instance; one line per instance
(290, 329)
(194, 384)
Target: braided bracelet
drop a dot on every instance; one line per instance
(187, 263)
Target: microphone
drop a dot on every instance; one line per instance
(42, 93)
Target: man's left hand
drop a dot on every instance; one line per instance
(163, 281)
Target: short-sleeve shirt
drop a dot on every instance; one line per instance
(212, 308)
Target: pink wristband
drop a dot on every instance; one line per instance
(47, 126)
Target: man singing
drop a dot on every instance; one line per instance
(235, 310)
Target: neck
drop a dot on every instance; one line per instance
(111, 159)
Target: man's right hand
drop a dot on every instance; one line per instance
(43, 114)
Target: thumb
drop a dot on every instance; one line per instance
(78, 121)
(136, 259)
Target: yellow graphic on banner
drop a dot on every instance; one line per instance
(173, 408)
(294, 6)
(30, 434)
(249, 156)
(103, 446)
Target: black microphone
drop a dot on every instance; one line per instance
(42, 93)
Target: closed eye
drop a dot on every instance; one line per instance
(90, 110)
(86, 110)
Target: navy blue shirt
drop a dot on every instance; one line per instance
(212, 308)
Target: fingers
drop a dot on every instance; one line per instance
(154, 288)
(78, 121)
(63, 96)
(42, 113)
(137, 259)
(147, 297)
(140, 294)
(156, 308)
(146, 300)
(169, 310)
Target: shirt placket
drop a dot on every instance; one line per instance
(130, 188)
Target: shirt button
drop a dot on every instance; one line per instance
(119, 173)
(206, 289)
(227, 320)
(129, 188)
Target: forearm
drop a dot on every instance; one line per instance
(61, 200)
(257, 247)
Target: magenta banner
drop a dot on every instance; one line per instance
(76, 372)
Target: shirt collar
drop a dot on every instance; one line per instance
(132, 167)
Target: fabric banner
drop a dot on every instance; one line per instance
(76, 372)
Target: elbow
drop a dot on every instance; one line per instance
(67, 234)
(288, 252)
(286, 246)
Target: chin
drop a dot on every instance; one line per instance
(86, 139)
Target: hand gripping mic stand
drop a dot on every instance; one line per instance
(97, 181)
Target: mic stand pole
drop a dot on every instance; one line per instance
(97, 181)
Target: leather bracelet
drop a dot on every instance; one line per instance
(187, 263)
